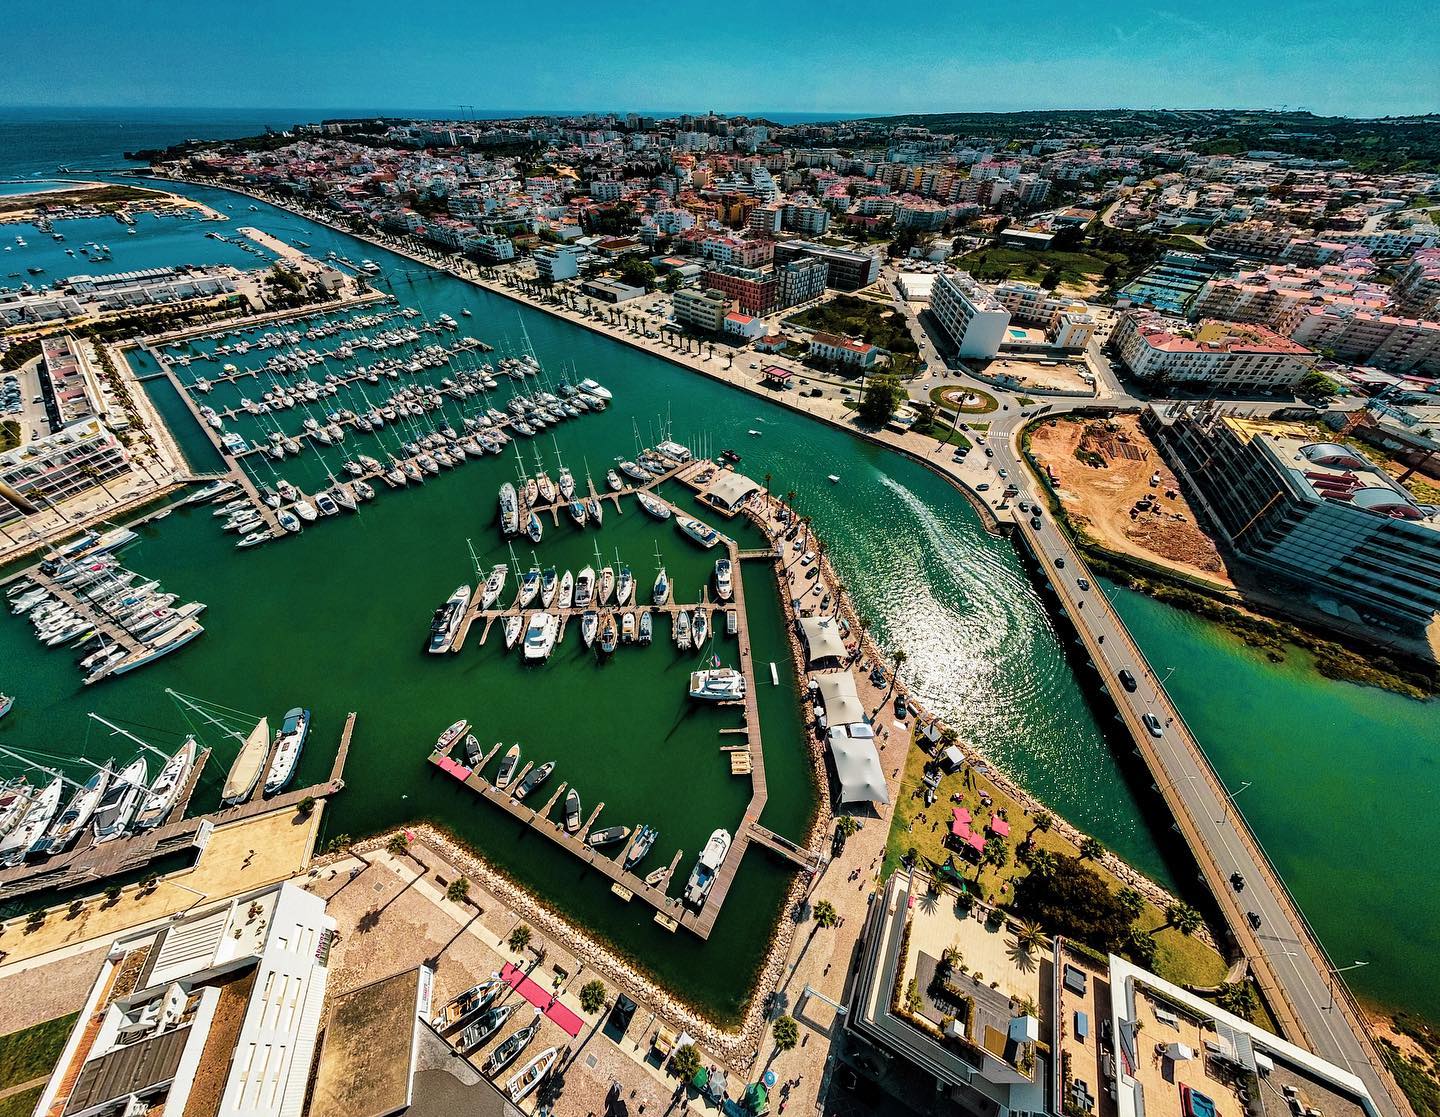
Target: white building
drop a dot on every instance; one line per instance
(52, 469)
(1209, 354)
(557, 262)
(225, 1002)
(972, 317)
(704, 310)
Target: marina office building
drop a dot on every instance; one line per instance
(999, 1031)
(216, 1012)
(1317, 513)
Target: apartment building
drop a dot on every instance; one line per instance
(847, 271)
(800, 281)
(973, 319)
(218, 1009)
(806, 218)
(1318, 514)
(493, 249)
(753, 290)
(1278, 295)
(557, 262)
(1210, 355)
(48, 470)
(1067, 321)
(1417, 287)
(736, 251)
(1367, 337)
(701, 309)
(766, 219)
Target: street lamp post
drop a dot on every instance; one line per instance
(1333, 972)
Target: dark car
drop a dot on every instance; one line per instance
(1127, 680)
(1060, 562)
(1254, 920)
(622, 1012)
(1237, 881)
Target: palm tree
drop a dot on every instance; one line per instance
(899, 656)
(1183, 918)
(1029, 937)
(1042, 822)
(458, 891)
(825, 915)
(519, 938)
(786, 1032)
(1131, 902)
(1091, 849)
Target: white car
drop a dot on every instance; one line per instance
(807, 558)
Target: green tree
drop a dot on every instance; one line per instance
(1068, 897)
(112, 892)
(1051, 279)
(458, 891)
(686, 1062)
(1091, 849)
(878, 402)
(592, 996)
(397, 846)
(786, 1032)
(673, 281)
(846, 825)
(637, 272)
(825, 914)
(520, 938)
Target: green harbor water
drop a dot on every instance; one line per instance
(336, 619)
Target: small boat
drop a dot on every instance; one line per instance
(721, 684)
(699, 628)
(445, 625)
(118, 805)
(605, 585)
(567, 591)
(577, 512)
(513, 627)
(287, 520)
(6, 703)
(485, 1026)
(595, 510)
(647, 627)
(834, 479)
(702, 877)
(609, 632)
(534, 779)
(612, 479)
(608, 836)
(640, 845)
(508, 1051)
(529, 587)
(473, 755)
(584, 587)
(530, 1075)
(306, 511)
(682, 630)
(446, 740)
(508, 764)
(656, 507)
(534, 529)
(724, 587)
(572, 811)
(464, 1006)
(289, 742)
(589, 626)
(549, 586)
(702, 533)
(540, 635)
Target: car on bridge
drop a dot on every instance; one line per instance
(1152, 723)
(1127, 680)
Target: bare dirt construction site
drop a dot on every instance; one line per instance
(1102, 471)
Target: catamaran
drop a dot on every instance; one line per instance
(702, 877)
(289, 742)
(720, 684)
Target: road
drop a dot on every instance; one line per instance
(1298, 979)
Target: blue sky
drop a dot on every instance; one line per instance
(840, 56)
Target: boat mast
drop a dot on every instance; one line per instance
(474, 560)
(126, 733)
(190, 703)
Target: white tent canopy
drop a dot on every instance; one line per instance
(731, 489)
(839, 698)
(857, 765)
(822, 639)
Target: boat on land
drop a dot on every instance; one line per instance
(510, 1050)
(523, 1081)
(533, 779)
(702, 877)
(608, 836)
(721, 684)
(486, 1025)
(702, 533)
(572, 811)
(248, 765)
(463, 1007)
(121, 800)
(656, 507)
(445, 625)
(452, 733)
(640, 845)
(165, 791)
(289, 744)
(508, 764)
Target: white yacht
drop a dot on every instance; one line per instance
(702, 877)
(289, 742)
(724, 588)
(168, 785)
(702, 533)
(118, 805)
(721, 684)
(540, 636)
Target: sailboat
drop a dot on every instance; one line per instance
(160, 799)
(249, 763)
(35, 821)
(77, 814)
(121, 800)
(624, 582)
(567, 590)
(660, 592)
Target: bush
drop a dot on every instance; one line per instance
(1073, 900)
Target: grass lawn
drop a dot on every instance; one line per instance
(21, 1104)
(979, 403)
(1076, 268)
(9, 435)
(33, 1051)
(871, 321)
(1182, 959)
(942, 434)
